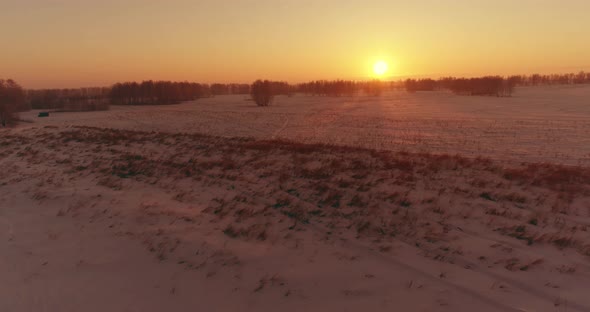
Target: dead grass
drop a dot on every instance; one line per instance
(374, 193)
(567, 179)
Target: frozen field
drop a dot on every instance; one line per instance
(538, 124)
(96, 219)
(109, 220)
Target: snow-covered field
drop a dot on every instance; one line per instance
(538, 124)
(165, 218)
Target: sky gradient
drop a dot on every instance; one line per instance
(74, 43)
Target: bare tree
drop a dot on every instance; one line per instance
(12, 99)
(262, 92)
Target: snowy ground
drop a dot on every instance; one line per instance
(538, 124)
(93, 219)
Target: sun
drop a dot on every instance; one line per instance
(380, 68)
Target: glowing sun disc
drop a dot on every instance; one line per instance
(380, 68)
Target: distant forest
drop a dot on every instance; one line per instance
(493, 85)
(168, 92)
(81, 99)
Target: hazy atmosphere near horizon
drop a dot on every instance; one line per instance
(75, 43)
(258, 155)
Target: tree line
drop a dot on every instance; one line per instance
(81, 99)
(263, 91)
(228, 88)
(553, 79)
(342, 87)
(155, 92)
(494, 85)
(168, 92)
(329, 88)
(484, 86)
(127, 93)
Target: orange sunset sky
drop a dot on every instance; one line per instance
(74, 43)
